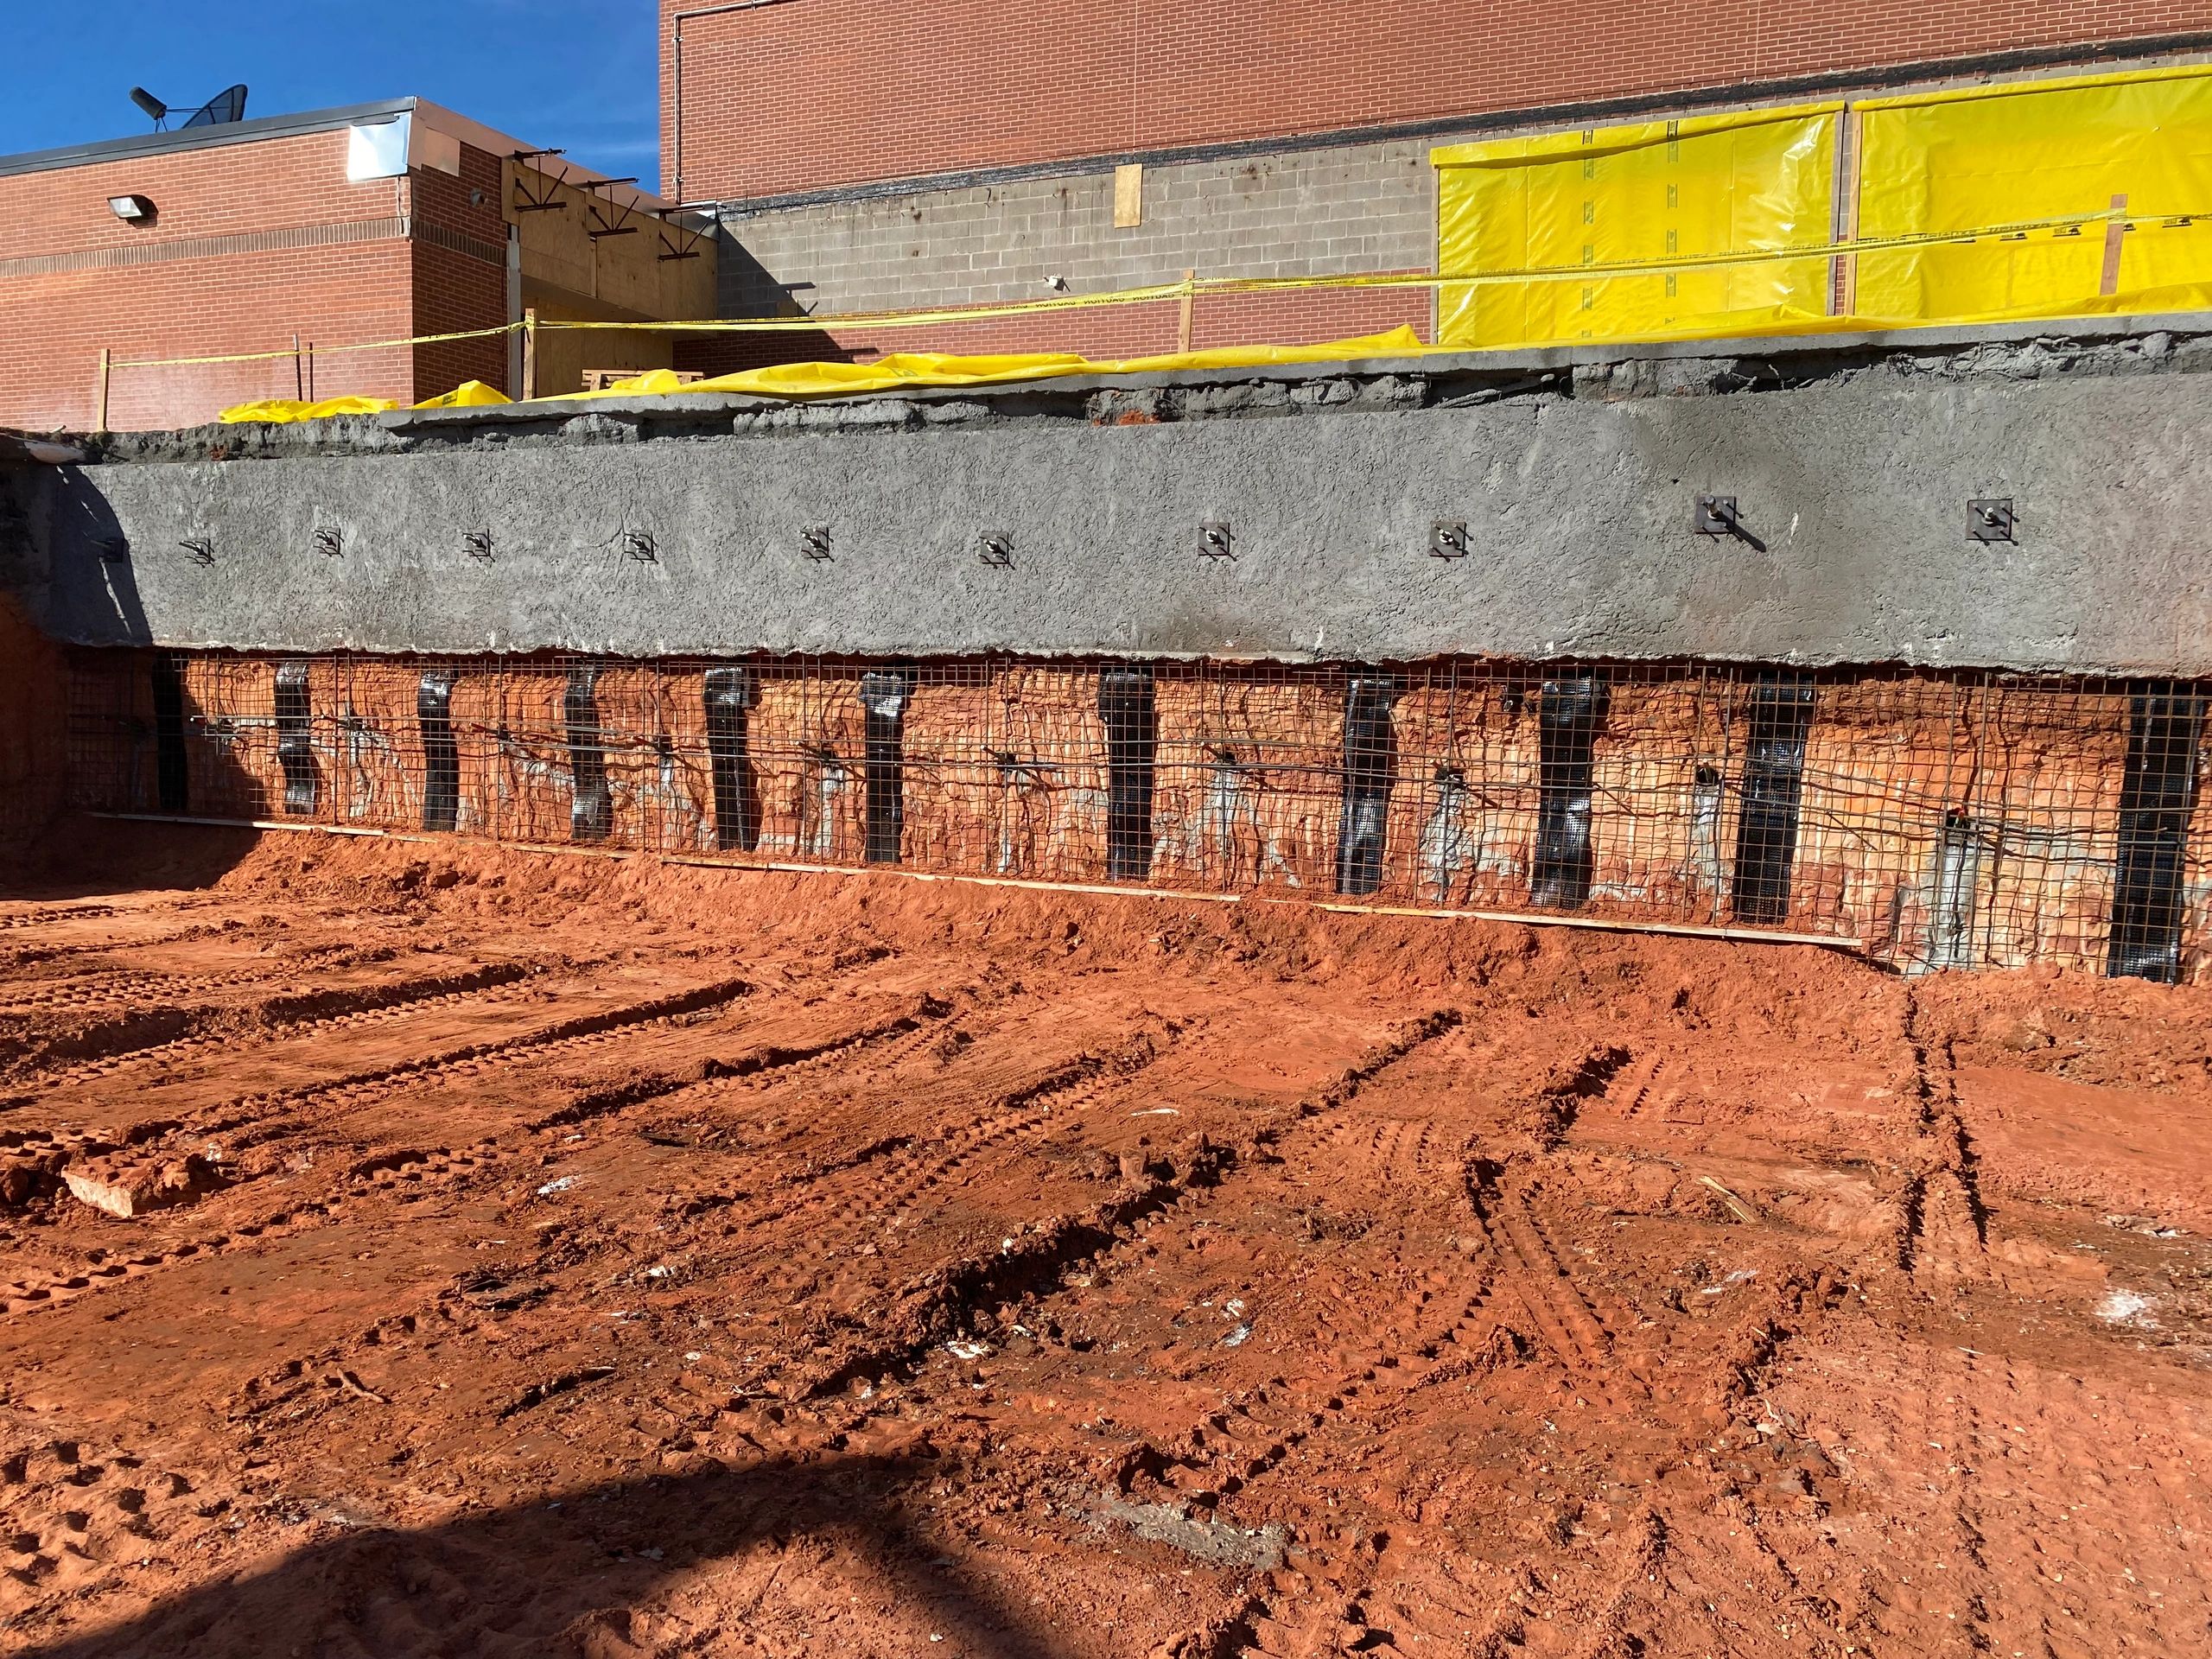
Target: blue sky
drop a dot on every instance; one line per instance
(581, 73)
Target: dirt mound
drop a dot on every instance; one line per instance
(586, 1254)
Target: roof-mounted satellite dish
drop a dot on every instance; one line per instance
(226, 107)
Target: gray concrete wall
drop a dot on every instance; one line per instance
(1359, 208)
(1575, 478)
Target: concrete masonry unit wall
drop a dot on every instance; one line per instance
(701, 524)
(1334, 212)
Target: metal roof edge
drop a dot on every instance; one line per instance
(141, 145)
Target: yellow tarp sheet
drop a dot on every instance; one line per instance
(278, 411)
(1659, 190)
(903, 369)
(1991, 156)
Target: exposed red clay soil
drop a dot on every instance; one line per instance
(537, 1256)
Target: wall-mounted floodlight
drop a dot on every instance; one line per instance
(134, 210)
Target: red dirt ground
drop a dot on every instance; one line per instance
(617, 1259)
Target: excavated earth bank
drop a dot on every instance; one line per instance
(538, 1255)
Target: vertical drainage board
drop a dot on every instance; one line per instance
(885, 693)
(441, 755)
(1956, 892)
(1774, 780)
(1370, 759)
(295, 740)
(2157, 796)
(1126, 708)
(591, 808)
(1570, 713)
(732, 693)
(172, 767)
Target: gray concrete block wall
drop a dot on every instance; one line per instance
(1328, 212)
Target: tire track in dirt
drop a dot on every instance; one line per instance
(26, 1000)
(564, 1038)
(1036, 1263)
(75, 1511)
(1575, 1325)
(1943, 1238)
(47, 915)
(318, 1013)
(410, 1175)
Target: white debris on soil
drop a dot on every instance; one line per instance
(2126, 1307)
(1735, 1277)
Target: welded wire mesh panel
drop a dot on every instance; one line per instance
(1938, 820)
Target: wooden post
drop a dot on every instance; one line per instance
(2114, 230)
(1844, 302)
(1183, 314)
(529, 352)
(299, 374)
(99, 402)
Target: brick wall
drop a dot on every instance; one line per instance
(251, 243)
(857, 90)
(459, 272)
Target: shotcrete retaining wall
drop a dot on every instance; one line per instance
(1932, 678)
(1073, 518)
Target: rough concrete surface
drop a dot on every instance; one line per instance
(1577, 487)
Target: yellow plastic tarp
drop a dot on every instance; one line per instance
(469, 394)
(903, 369)
(1998, 155)
(916, 369)
(1753, 180)
(280, 412)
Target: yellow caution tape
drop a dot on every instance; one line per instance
(1200, 287)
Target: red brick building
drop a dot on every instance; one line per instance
(867, 157)
(336, 228)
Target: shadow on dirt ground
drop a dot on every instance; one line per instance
(563, 1578)
(82, 857)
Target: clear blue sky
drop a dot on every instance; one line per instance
(581, 73)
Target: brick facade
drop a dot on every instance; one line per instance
(259, 236)
(249, 243)
(800, 94)
(974, 160)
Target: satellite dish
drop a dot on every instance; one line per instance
(226, 107)
(152, 106)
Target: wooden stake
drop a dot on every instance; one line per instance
(2109, 283)
(100, 418)
(1846, 299)
(299, 373)
(529, 352)
(1183, 314)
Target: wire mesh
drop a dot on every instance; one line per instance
(1938, 820)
